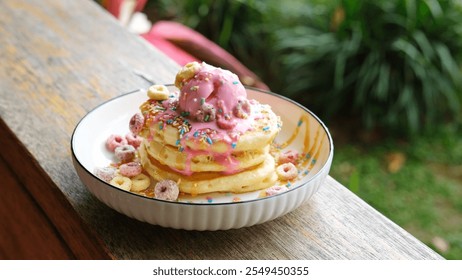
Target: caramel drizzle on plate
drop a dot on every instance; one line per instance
(310, 150)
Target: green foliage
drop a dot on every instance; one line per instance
(393, 63)
(423, 196)
(244, 28)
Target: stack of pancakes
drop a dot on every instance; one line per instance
(204, 157)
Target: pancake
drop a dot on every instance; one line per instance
(201, 161)
(260, 133)
(255, 178)
(208, 136)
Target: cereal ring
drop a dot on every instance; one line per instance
(125, 153)
(121, 182)
(105, 173)
(242, 109)
(158, 92)
(288, 156)
(166, 190)
(275, 190)
(130, 169)
(287, 171)
(207, 113)
(136, 123)
(187, 72)
(115, 141)
(140, 182)
(134, 139)
(199, 115)
(225, 122)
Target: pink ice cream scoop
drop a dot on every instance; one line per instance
(212, 92)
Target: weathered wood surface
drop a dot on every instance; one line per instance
(25, 231)
(59, 59)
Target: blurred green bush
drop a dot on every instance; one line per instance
(392, 64)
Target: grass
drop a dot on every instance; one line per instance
(417, 184)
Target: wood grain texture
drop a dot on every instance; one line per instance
(25, 231)
(62, 58)
(334, 224)
(80, 240)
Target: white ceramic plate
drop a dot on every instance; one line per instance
(301, 130)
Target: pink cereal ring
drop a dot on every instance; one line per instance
(166, 190)
(275, 190)
(136, 123)
(226, 123)
(287, 171)
(115, 141)
(125, 153)
(242, 109)
(288, 156)
(133, 139)
(130, 169)
(105, 173)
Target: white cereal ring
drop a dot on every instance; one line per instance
(125, 153)
(187, 72)
(130, 169)
(166, 190)
(140, 182)
(121, 182)
(207, 113)
(287, 171)
(158, 92)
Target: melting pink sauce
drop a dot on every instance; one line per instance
(209, 85)
(230, 137)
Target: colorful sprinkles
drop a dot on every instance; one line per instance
(164, 113)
